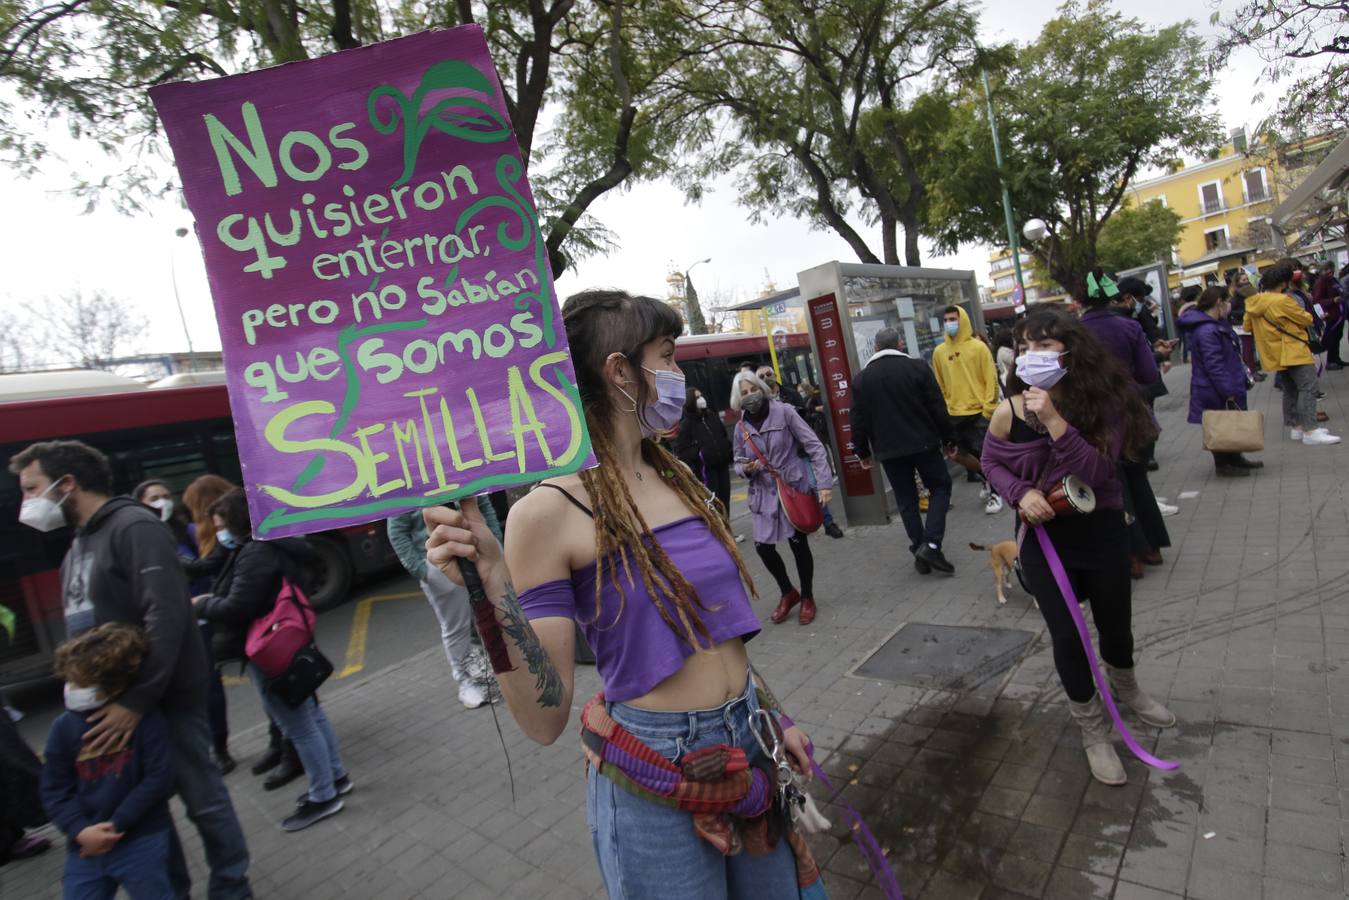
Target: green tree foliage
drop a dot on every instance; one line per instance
(826, 103)
(89, 63)
(1306, 41)
(1097, 99)
(1138, 235)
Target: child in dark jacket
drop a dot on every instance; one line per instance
(114, 808)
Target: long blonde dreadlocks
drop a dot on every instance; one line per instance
(598, 324)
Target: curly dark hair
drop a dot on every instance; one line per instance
(1098, 395)
(57, 459)
(107, 657)
(233, 511)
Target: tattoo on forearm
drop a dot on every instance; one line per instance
(547, 683)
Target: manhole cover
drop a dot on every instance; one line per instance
(949, 657)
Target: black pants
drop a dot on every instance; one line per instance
(216, 709)
(805, 564)
(1148, 532)
(970, 431)
(1108, 590)
(1332, 342)
(718, 481)
(931, 467)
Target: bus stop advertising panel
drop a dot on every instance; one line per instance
(391, 335)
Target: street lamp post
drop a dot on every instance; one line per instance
(693, 312)
(173, 276)
(1002, 179)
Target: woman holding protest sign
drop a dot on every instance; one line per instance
(637, 553)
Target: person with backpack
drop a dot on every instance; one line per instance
(247, 589)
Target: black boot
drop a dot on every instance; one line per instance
(289, 769)
(221, 754)
(271, 757)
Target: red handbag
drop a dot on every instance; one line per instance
(802, 508)
(274, 639)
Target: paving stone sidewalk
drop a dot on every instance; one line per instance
(983, 794)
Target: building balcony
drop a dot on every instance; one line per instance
(1210, 207)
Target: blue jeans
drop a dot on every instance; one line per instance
(306, 727)
(202, 790)
(648, 851)
(140, 866)
(931, 467)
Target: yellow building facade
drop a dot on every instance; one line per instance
(1224, 206)
(1002, 280)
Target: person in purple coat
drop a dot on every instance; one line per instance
(1124, 339)
(1218, 377)
(775, 430)
(1065, 415)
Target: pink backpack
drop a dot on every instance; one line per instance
(274, 639)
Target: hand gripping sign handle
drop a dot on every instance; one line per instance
(485, 617)
(1069, 597)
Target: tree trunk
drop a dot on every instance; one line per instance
(912, 256)
(889, 240)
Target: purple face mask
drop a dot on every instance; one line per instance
(1040, 368)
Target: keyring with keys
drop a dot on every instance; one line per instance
(789, 796)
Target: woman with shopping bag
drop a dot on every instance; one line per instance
(1218, 384)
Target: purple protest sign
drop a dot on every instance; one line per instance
(385, 301)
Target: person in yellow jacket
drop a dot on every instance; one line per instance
(968, 380)
(1279, 323)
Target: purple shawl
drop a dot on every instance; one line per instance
(1015, 468)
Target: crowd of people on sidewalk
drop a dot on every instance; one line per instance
(693, 765)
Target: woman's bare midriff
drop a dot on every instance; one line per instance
(706, 680)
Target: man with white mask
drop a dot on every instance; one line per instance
(123, 567)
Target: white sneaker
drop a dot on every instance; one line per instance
(1166, 509)
(1295, 434)
(472, 693)
(993, 506)
(1319, 436)
(985, 491)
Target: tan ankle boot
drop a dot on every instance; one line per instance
(1101, 757)
(1125, 686)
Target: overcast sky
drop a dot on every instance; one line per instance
(49, 248)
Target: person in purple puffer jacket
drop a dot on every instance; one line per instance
(1065, 415)
(1218, 377)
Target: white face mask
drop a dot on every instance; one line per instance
(165, 507)
(82, 699)
(701, 403)
(42, 512)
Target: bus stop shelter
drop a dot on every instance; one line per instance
(846, 305)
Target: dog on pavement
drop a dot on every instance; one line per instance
(1002, 560)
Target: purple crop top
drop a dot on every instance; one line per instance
(640, 651)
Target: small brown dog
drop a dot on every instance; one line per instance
(1002, 560)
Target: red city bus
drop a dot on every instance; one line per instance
(710, 361)
(172, 434)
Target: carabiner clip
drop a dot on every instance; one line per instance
(777, 753)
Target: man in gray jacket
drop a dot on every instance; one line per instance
(123, 567)
(449, 601)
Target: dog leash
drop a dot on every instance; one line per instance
(860, 833)
(1070, 597)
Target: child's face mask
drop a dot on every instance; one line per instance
(82, 699)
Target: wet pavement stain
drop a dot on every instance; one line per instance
(995, 805)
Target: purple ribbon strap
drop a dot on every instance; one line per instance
(1069, 597)
(866, 842)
